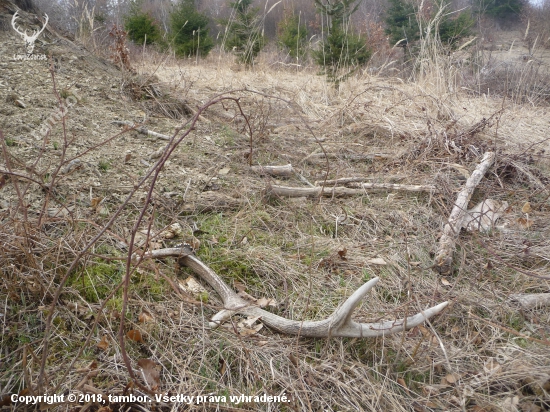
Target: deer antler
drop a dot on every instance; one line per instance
(29, 40)
(337, 324)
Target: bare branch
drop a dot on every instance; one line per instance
(286, 191)
(285, 170)
(444, 255)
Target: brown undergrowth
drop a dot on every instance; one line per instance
(78, 316)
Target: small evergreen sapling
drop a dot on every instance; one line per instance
(244, 34)
(189, 30)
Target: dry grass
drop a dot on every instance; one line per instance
(480, 354)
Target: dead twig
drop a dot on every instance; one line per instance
(141, 129)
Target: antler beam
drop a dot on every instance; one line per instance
(337, 324)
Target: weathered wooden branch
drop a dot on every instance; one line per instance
(531, 300)
(347, 180)
(444, 256)
(337, 324)
(279, 171)
(142, 130)
(357, 157)
(286, 191)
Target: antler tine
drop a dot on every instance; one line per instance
(16, 14)
(338, 324)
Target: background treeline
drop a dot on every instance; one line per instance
(333, 33)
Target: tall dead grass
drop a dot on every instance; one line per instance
(66, 321)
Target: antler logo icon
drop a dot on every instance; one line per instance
(29, 40)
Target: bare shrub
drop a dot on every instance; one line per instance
(120, 53)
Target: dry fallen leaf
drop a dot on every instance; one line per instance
(526, 208)
(172, 231)
(240, 287)
(103, 343)
(95, 202)
(525, 223)
(424, 330)
(250, 332)
(151, 372)
(402, 382)
(5, 400)
(377, 261)
(242, 294)
(248, 322)
(263, 302)
(145, 317)
(134, 335)
(224, 171)
(293, 359)
(246, 327)
(193, 287)
(445, 282)
(222, 366)
(451, 378)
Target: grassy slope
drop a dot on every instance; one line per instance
(481, 353)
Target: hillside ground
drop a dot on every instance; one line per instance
(71, 197)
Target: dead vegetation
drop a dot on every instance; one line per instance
(80, 316)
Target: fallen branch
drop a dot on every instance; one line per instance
(531, 300)
(279, 171)
(286, 191)
(142, 130)
(346, 180)
(313, 157)
(338, 324)
(444, 255)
